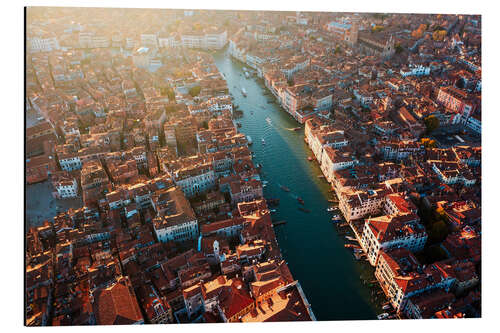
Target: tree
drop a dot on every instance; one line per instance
(398, 48)
(428, 143)
(438, 231)
(431, 123)
(169, 109)
(197, 26)
(171, 94)
(438, 35)
(195, 91)
(419, 32)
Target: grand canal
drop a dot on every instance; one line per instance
(315, 253)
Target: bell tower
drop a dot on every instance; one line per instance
(389, 48)
(353, 33)
(216, 250)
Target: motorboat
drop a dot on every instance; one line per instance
(384, 315)
(284, 188)
(336, 219)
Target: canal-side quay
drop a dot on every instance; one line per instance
(337, 285)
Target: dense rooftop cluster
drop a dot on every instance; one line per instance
(173, 227)
(392, 112)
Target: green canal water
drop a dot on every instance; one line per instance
(314, 251)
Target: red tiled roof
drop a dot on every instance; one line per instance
(235, 299)
(117, 305)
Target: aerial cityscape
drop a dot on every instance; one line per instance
(213, 166)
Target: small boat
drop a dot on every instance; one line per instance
(310, 159)
(299, 199)
(321, 176)
(247, 75)
(263, 141)
(382, 316)
(331, 200)
(351, 238)
(272, 211)
(268, 120)
(238, 124)
(296, 128)
(331, 209)
(358, 256)
(249, 139)
(336, 218)
(284, 188)
(305, 210)
(278, 223)
(386, 307)
(244, 92)
(352, 246)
